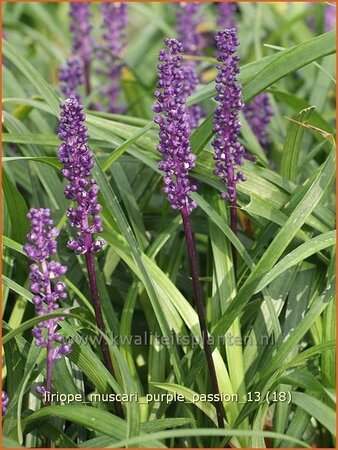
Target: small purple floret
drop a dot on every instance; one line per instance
(77, 162)
(114, 24)
(177, 158)
(71, 76)
(226, 15)
(228, 151)
(258, 114)
(4, 402)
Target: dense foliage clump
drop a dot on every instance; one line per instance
(168, 225)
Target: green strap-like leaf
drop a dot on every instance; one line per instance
(23, 65)
(317, 409)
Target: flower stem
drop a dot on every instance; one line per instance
(86, 73)
(233, 225)
(90, 262)
(192, 253)
(48, 386)
(49, 369)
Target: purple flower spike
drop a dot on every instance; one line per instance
(226, 15)
(228, 151)
(258, 114)
(114, 23)
(48, 290)
(80, 28)
(4, 402)
(188, 22)
(177, 159)
(77, 162)
(71, 76)
(177, 162)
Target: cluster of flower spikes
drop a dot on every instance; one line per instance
(114, 23)
(71, 76)
(77, 162)
(188, 21)
(226, 15)
(4, 402)
(80, 28)
(228, 151)
(258, 113)
(177, 158)
(46, 289)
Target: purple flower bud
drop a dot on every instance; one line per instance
(71, 76)
(97, 245)
(55, 269)
(177, 159)
(37, 300)
(34, 287)
(66, 349)
(226, 15)
(77, 162)
(37, 332)
(59, 287)
(40, 390)
(228, 151)
(258, 114)
(4, 402)
(114, 24)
